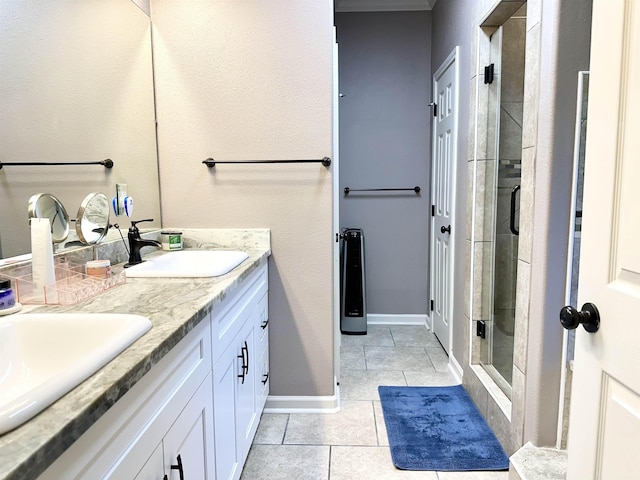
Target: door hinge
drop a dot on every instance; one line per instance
(488, 74)
(435, 108)
(481, 329)
(433, 210)
(432, 305)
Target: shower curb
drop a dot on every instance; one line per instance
(538, 463)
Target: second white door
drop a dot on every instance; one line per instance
(443, 174)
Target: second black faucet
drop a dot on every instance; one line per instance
(136, 242)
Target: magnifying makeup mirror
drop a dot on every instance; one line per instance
(45, 205)
(92, 222)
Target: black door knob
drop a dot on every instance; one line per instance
(446, 229)
(589, 317)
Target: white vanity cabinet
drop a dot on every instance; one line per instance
(166, 413)
(237, 400)
(202, 401)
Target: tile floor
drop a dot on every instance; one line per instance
(352, 444)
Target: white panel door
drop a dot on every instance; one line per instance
(191, 439)
(227, 457)
(604, 431)
(445, 91)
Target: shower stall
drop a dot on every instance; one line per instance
(504, 81)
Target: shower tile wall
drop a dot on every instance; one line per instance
(479, 238)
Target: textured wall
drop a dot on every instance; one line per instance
(253, 80)
(385, 76)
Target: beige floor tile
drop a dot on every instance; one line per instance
(397, 358)
(353, 425)
(381, 427)
(429, 379)
(376, 335)
(353, 444)
(363, 384)
(287, 462)
(367, 463)
(413, 336)
(439, 358)
(473, 475)
(352, 357)
(271, 429)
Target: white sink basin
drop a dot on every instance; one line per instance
(189, 263)
(43, 356)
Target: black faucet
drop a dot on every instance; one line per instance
(136, 243)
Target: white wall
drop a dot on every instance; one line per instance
(246, 81)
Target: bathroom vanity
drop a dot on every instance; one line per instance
(184, 401)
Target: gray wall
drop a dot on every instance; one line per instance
(452, 27)
(385, 76)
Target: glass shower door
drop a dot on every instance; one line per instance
(502, 199)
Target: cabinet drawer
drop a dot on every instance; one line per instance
(230, 315)
(262, 323)
(262, 380)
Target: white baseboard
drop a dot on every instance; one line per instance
(293, 404)
(455, 369)
(397, 319)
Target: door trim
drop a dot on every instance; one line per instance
(335, 171)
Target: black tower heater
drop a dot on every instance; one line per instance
(353, 305)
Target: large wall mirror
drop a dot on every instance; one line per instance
(76, 85)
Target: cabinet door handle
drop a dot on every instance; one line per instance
(265, 378)
(245, 361)
(264, 324)
(242, 356)
(247, 349)
(179, 468)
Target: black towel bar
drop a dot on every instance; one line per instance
(210, 162)
(108, 163)
(347, 190)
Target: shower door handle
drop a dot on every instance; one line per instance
(512, 213)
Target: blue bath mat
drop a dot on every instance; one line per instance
(438, 428)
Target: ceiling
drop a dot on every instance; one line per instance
(382, 5)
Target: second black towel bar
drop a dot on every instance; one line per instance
(347, 189)
(210, 162)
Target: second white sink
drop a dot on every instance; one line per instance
(43, 356)
(189, 263)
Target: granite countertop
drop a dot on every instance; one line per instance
(174, 306)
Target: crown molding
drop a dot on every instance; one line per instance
(382, 5)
